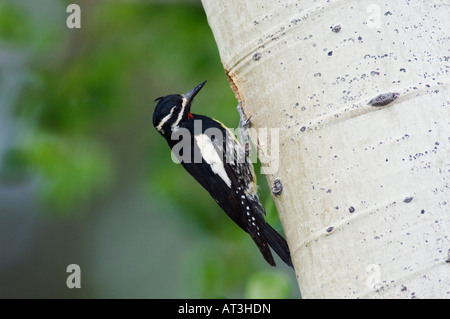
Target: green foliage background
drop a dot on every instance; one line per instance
(85, 178)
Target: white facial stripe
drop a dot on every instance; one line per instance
(211, 157)
(180, 115)
(185, 101)
(164, 120)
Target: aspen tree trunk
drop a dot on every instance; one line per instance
(366, 188)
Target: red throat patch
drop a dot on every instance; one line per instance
(190, 116)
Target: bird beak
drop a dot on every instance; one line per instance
(189, 96)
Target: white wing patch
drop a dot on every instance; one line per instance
(211, 157)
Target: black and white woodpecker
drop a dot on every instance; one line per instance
(215, 158)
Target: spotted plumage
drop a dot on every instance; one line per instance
(213, 156)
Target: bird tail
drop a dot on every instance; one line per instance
(278, 243)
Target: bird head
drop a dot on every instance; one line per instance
(174, 109)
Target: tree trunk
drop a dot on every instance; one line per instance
(359, 93)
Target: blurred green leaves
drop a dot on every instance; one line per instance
(10, 16)
(89, 84)
(85, 131)
(271, 285)
(69, 169)
(18, 25)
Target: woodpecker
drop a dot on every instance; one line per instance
(219, 162)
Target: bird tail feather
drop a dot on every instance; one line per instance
(278, 244)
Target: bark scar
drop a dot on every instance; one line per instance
(383, 99)
(234, 86)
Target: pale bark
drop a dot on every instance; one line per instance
(366, 197)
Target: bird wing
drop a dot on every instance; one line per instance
(217, 164)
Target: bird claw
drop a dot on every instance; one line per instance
(244, 125)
